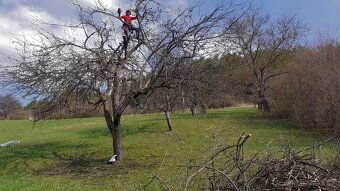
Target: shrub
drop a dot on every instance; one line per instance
(309, 94)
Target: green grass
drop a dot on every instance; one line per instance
(49, 155)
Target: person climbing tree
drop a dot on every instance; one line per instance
(127, 20)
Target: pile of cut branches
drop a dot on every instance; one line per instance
(228, 169)
(294, 171)
(286, 169)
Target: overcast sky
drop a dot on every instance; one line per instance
(322, 16)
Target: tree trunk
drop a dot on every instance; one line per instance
(183, 101)
(168, 120)
(115, 129)
(204, 109)
(259, 105)
(108, 119)
(117, 104)
(262, 102)
(117, 138)
(193, 111)
(265, 106)
(167, 113)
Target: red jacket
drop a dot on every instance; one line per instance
(128, 18)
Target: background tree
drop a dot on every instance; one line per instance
(236, 77)
(264, 46)
(74, 109)
(205, 83)
(8, 105)
(89, 60)
(166, 98)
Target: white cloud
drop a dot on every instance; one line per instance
(6, 27)
(15, 14)
(15, 22)
(109, 4)
(23, 13)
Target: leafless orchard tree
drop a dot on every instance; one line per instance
(8, 105)
(166, 99)
(193, 85)
(264, 46)
(91, 61)
(205, 83)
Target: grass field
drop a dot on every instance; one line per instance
(72, 154)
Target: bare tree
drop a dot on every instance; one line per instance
(166, 98)
(205, 83)
(94, 63)
(264, 46)
(8, 105)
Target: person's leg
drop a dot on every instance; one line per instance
(126, 31)
(133, 28)
(125, 37)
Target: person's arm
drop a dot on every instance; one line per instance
(133, 18)
(119, 11)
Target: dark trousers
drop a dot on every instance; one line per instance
(128, 28)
